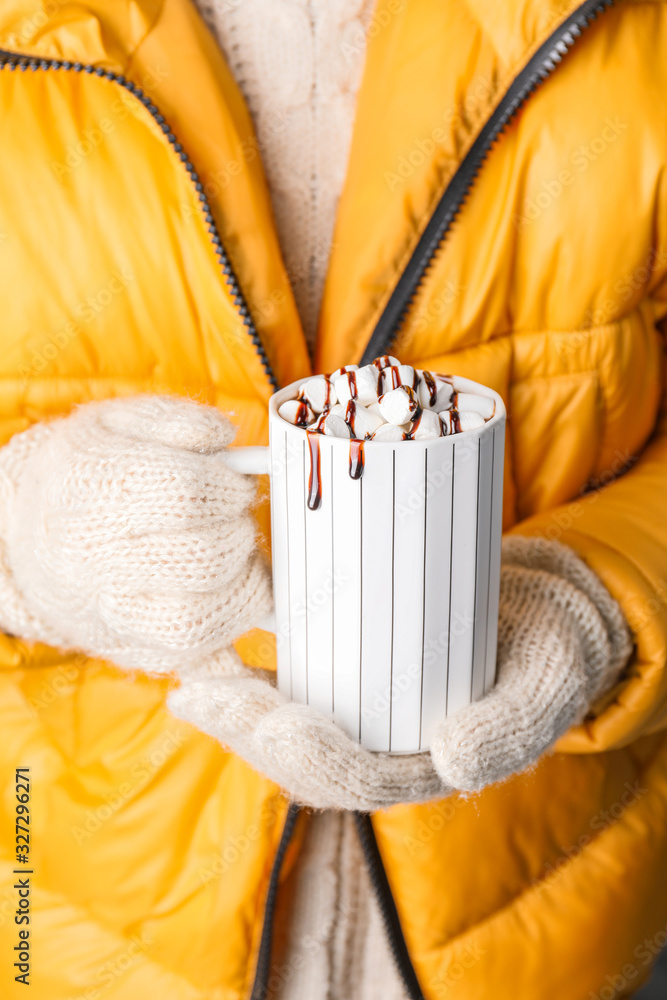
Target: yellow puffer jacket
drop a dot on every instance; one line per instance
(126, 154)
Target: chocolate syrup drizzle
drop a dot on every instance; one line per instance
(315, 477)
(456, 420)
(416, 420)
(351, 415)
(391, 371)
(356, 459)
(432, 387)
(302, 414)
(357, 463)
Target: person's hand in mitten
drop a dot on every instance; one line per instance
(562, 642)
(125, 534)
(295, 746)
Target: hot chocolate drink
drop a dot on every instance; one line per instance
(384, 401)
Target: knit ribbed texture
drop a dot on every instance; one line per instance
(562, 642)
(330, 942)
(126, 535)
(299, 65)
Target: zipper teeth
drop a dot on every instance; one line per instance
(263, 966)
(388, 909)
(16, 61)
(539, 68)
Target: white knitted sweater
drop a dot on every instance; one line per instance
(299, 65)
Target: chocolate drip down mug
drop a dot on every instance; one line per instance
(386, 571)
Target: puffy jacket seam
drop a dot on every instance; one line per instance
(199, 386)
(544, 331)
(641, 765)
(587, 374)
(56, 376)
(557, 375)
(601, 392)
(559, 331)
(128, 55)
(149, 31)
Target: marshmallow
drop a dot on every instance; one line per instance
(434, 392)
(387, 401)
(396, 375)
(470, 421)
(453, 421)
(470, 401)
(345, 386)
(407, 375)
(335, 426)
(398, 405)
(297, 411)
(460, 385)
(341, 371)
(389, 432)
(318, 392)
(368, 379)
(385, 361)
(426, 425)
(360, 421)
(446, 420)
(389, 379)
(361, 385)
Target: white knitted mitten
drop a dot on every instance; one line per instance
(295, 746)
(562, 642)
(126, 536)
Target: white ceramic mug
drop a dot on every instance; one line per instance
(386, 585)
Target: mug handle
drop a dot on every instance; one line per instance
(250, 461)
(253, 461)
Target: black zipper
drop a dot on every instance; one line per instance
(536, 71)
(16, 61)
(384, 896)
(263, 965)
